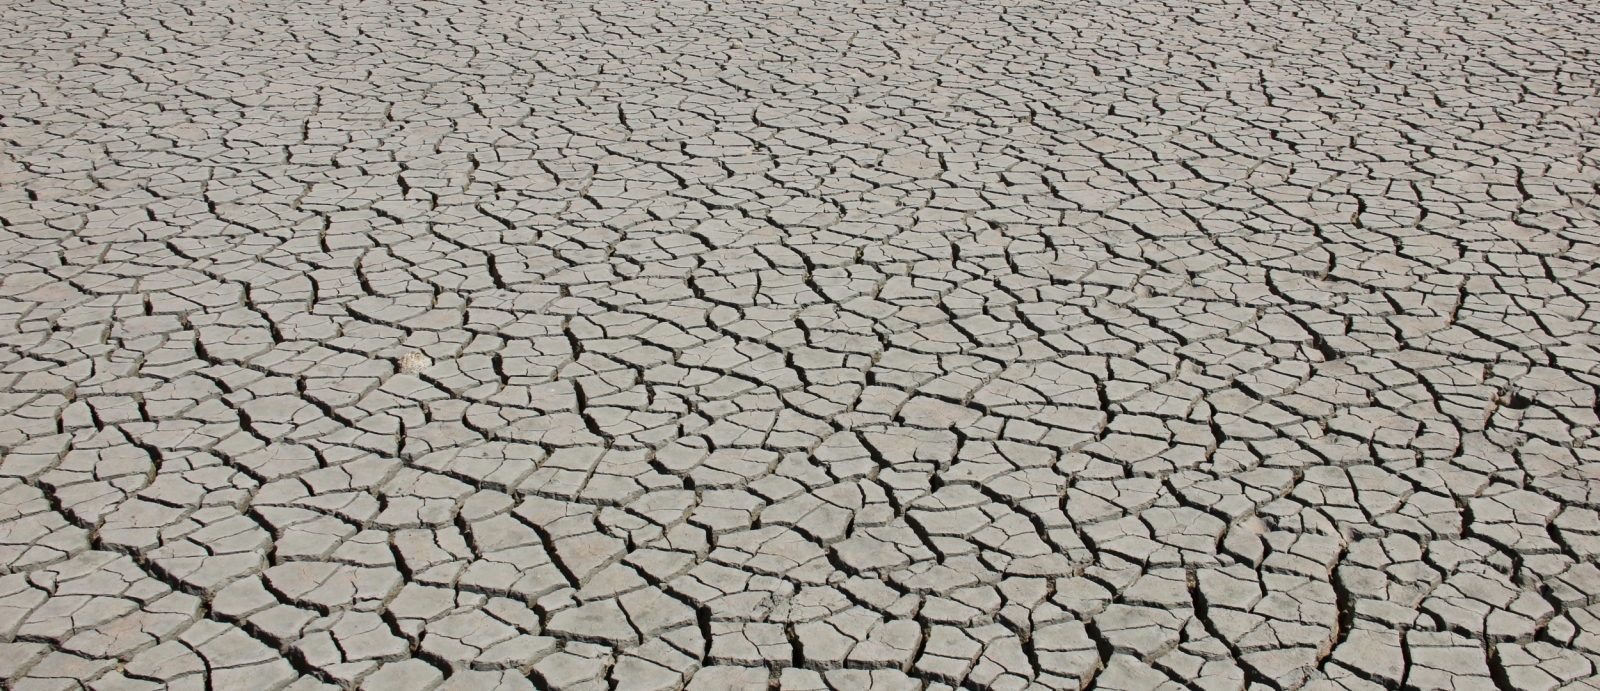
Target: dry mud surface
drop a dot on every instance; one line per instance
(799, 346)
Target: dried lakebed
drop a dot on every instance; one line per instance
(799, 346)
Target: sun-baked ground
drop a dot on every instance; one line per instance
(1135, 345)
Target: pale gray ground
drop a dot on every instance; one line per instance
(802, 345)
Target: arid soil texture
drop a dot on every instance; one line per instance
(452, 345)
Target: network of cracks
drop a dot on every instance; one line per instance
(813, 345)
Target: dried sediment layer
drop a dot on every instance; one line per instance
(800, 346)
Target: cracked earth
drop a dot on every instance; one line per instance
(799, 346)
